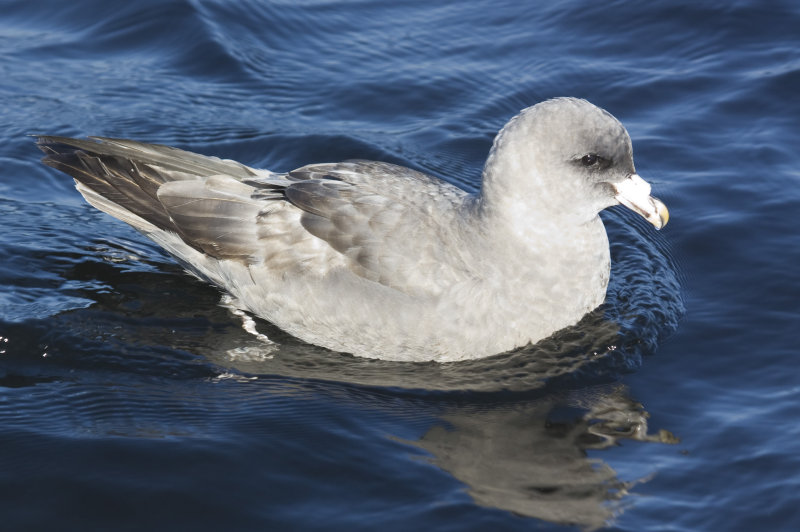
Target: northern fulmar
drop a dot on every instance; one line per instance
(379, 260)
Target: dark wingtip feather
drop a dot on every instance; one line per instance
(55, 144)
(123, 181)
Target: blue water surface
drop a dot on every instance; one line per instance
(131, 399)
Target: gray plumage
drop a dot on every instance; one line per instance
(383, 261)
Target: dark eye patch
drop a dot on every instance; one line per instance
(592, 160)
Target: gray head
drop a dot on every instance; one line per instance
(566, 159)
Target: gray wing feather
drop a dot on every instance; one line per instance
(373, 214)
(166, 157)
(363, 216)
(215, 215)
(130, 174)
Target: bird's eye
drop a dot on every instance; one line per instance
(589, 159)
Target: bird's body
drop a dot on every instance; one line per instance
(383, 261)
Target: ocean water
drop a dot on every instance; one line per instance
(132, 399)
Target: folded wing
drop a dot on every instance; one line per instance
(363, 217)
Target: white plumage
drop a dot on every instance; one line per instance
(380, 260)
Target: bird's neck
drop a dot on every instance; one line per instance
(534, 211)
(546, 226)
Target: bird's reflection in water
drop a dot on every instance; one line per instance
(532, 459)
